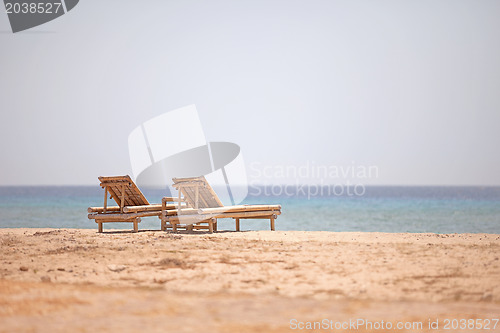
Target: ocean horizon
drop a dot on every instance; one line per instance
(414, 209)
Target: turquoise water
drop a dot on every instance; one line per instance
(384, 209)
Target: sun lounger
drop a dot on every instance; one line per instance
(132, 204)
(203, 208)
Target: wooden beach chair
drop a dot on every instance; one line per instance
(203, 207)
(132, 204)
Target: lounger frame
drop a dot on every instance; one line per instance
(132, 204)
(203, 208)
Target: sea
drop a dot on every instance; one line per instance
(430, 209)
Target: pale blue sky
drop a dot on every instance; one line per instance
(409, 86)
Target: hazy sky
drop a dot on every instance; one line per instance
(412, 87)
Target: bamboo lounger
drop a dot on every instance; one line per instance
(132, 204)
(203, 206)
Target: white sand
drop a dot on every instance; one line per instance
(69, 279)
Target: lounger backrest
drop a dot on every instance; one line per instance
(132, 194)
(207, 198)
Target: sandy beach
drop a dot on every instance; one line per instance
(60, 280)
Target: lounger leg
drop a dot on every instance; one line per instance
(174, 226)
(237, 220)
(189, 227)
(215, 225)
(99, 224)
(211, 226)
(163, 225)
(272, 223)
(136, 226)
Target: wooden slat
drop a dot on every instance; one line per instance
(238, 208)
(115, 184)
(105, 199)
(130, 197)
(257, 217)
(196, 197)
(187, 180)
(122, 197)
(111, 179)
(255, 214)
(128, 200)
(101, 209)
(206, 197)
(134, 196)
(112, 194)
(188, 219)
(213, 194)
(179, 194)
(205, 202)
(119, 216)
(188, 195)
(104, 221)
(185, 211)
(188, 184)
(186, 227)
(148, 208)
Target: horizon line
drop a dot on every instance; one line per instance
(270, 185)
